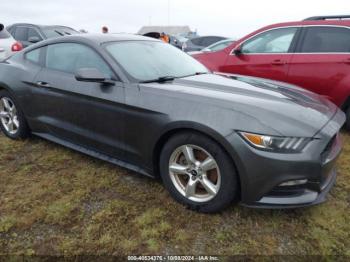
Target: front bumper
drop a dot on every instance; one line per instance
(305, 197)
(262, 173)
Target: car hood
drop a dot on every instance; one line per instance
(277, 108)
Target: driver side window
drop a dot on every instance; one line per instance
(70, 57)
(273, 41)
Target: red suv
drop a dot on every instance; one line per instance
(313, 54)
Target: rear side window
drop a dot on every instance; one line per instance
(69, 57)
(326, 40)
(34, 56)
(21, 33)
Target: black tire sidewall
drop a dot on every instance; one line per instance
(23, 130)
(228, 188)
(347, 124)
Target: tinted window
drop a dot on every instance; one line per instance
(207, 41)
(21, 33)
(326, 39)
(4, 34)
(147, 60)
(34, 56)
(196, 41)
(33, 33)
(69, 57)
(273, 41)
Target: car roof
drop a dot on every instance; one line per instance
(332, 22)
(96, 39)
(335, 22)
(38, 26)
(104, 38)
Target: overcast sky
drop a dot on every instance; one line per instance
(220, 17)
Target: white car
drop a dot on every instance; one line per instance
(8, 45)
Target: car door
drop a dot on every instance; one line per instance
(87, 114)
(266, 55)
(322, 61)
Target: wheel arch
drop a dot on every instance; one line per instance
(5, 87)
(179, 127)
(346, 104)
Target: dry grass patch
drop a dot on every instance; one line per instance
(56, 201)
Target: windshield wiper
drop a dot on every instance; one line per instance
(196, 74)
(161, 79)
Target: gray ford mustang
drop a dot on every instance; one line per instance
(147, 106)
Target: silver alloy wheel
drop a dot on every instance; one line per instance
(8, 115)
(194, 173)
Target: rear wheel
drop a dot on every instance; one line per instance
(198, 173)
(12, 121)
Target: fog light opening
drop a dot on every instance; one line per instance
(294, 182)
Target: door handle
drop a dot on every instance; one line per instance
(278, 62)
(42, 84)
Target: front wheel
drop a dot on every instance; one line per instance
(12, 120)
(198, 172)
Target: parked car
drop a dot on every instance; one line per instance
(8, 45)
(211, 139)
(28, 34)
(198, 43)
(214, 47)
(177, 41)
(313, 54)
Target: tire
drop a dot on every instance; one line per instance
(190, 187)
(347, 123)
(11, 113)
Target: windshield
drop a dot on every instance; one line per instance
(220, 45)
(148, 60)
(52, 32)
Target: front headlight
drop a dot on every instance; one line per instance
(276, 143)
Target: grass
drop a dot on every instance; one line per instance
(54, 201)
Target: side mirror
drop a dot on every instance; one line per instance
(237, 51)
(92, 75)
(206, 50)
(89, 75)
(34, 39)
(1, 27)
